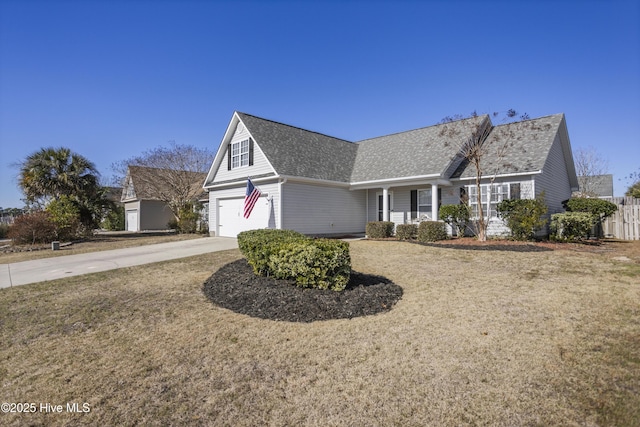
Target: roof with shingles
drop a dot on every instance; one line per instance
(140, 177)
(426, 151)
(432, 150)
(298, 152)
(516, 147)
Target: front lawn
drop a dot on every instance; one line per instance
(489, 337)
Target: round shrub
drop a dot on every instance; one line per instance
(571, 225)
(258, 245)
(379, 229)
(431, 231)
(406, 231)
(321, 263)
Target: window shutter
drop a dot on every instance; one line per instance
(514, 191)
(464, 198)
(414, 204)
(229, 157)
(250, 151)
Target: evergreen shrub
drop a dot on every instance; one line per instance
(431, 231)
(321, 263)
(258, 245)
(457, 216)
(379, 229)
(571, 225)
(406, 231)
(287, 254)
(523, 216)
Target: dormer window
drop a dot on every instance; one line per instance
(240, 154)
(130, 192)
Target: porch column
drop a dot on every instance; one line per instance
(385, 204)
(434, 202)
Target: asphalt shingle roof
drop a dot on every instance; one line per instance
(424, 151)
(432, 150)
(298, 152)
(527, 147)
(144, 178)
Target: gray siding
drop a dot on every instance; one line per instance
(154, 215)
(260, 164)
(315, 209)
(554, 179)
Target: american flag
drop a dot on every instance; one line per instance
(250, 198)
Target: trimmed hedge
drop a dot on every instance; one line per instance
(571, 225)
(287, 254)
(258, 245)
(321, 263)
(600, 209)
(431, 231)
(379, 229)
(406, 231)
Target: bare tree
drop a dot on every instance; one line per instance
(591, 167)
(172, 174)
(486, 139)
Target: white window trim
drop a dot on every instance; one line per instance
(428, 211)
(237, 160)
(486, 205)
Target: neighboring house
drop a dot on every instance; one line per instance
(320, 185)
(143, 209)
(114, 194)
(600, 186)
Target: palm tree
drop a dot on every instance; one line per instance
(50, 173)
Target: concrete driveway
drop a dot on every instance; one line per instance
(22, 273)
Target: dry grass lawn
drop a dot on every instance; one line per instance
(479, 338)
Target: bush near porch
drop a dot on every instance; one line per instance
(431, 231)
(379, 229)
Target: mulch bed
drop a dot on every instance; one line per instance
(237, 288)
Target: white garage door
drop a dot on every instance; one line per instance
(132, 220)
(231, 220)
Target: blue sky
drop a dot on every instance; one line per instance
(111, 79)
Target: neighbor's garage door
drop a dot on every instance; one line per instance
(231, 220)
(132, 220)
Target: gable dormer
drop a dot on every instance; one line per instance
(128, 191)
(239, 155)
(240, 149)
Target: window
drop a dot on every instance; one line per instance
(489, 198)
(424, 203)
(130, 193)
(240, 154)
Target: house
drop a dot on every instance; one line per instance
(146, 189)
(321, 185)
(600, 186)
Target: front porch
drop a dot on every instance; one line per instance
(409, 204)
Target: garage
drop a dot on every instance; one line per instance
(132, 220)
(231, 220)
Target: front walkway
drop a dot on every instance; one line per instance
(22, 273)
